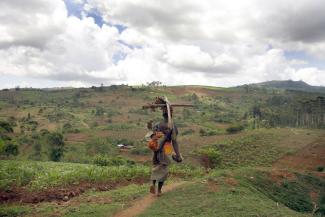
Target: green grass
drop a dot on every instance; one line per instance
(13, 211)
(294, 192)
(256, 148)
(40, 175)
(36, 175)
(89, 204)
(198, 199)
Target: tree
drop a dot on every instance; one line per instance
(56, 143)
(11, 149)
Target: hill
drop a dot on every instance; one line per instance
(290, 85)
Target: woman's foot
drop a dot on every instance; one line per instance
(159, 194)
(152, 189)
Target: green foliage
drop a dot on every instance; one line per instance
(235, 129)
(203, 199)
(13, 211)
(29, 125)
(56, 143)
(210, 157)
(320, 168)
(2, 146)
(5, 127)
(102, 160)
(186, 171)
(294, 193)
(39, 175)
(11, 149)
(258, 148)
(321, 206)
(100, 146)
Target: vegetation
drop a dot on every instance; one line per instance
(57, 146)
(217, 199)
(210, 157)
(40, 175)
(102, 160)
(227, 135)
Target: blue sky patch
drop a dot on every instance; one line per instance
(129, 45)
(301, 55)
(119, 56)
(73, 8)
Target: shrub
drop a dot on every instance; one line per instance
(11, 149)
(320, 168)
(6, 127)
(56, 143)
(210, 157)
(235, 129)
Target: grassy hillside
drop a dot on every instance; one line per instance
(230, 136)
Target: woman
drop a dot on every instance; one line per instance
(162, 137)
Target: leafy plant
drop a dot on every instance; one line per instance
(102, 160)
(210, 157)
(235, 129)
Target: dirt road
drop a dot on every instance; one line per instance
(140, 205)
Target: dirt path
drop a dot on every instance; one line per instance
(141, 205)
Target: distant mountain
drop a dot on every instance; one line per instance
(290, 85)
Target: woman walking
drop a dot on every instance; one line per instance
(162, 140)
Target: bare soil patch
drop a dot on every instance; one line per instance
(279, 175)
(308, 158)
(65, 193)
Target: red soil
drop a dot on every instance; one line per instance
(308, 158)
(65, 193)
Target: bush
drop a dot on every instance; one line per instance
(320, 168)
(6, 127)
(56, 143)
(235, 129)
(11, 149)
(102, 160)
(210, 157)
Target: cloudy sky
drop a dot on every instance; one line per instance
(51, 43)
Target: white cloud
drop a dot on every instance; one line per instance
(224, 42)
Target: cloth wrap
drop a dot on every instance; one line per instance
(160, 161)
